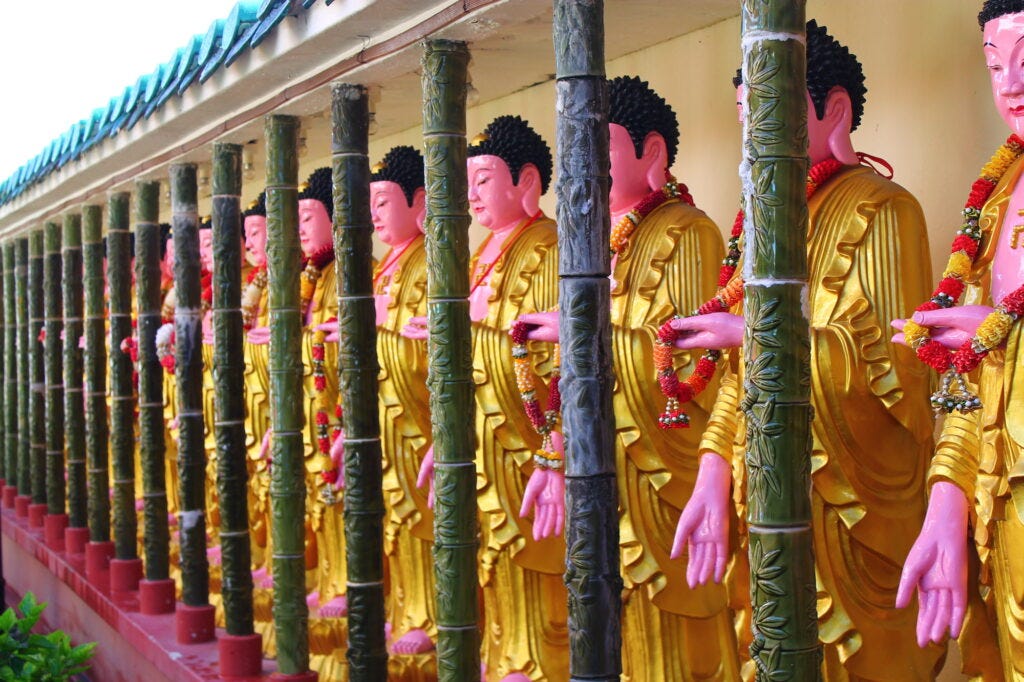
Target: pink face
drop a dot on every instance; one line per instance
(314, 226)
(206, 249)
(495, 200)
(394, 221)
(256, 240)
(167, 264)
(1004, 55)
(629, 174)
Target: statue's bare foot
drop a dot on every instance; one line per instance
(413, 642)
(515, 677)
(336, 608)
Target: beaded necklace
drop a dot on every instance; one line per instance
(953, 393)
(543, 422)
(311, 274)
(325, 435)
(255, 284)
(730, 293)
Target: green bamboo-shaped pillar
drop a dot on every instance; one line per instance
(37, 378)
(229, 400)
(450, 373)
(24, 445)
(53, 311)
(591, 493)
(96, 428)
(287, 418)
(188, 375)
(357, 376)
(122, 390)
(74, 368)
(10, 368)
(777, 357)
(152, 447)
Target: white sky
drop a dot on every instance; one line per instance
(61, 59)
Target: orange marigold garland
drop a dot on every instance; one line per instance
(544, 422)
(255, 284)
(730, 292)
(623, 230)
(325, 434)
(953, 393)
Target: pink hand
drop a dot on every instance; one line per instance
(265, 446)
(717, 331)
(338, 459)
(545, 495)
(426, 475)
(544, 326)
(937, 567)
(703, 527)
(259, 335)
(416, 329)
(951, 327)
(331, 328)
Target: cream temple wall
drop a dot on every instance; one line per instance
(929, 110)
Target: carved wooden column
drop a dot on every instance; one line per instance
(777, 403)
(56, 519)
(77, 533)
(357, 379)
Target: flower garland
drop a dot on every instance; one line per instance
(255, 284)
(325, 435)
(165, 346)
(623, 230)
(311, 274)
(730, 292)
(543, 422)
(953, 393)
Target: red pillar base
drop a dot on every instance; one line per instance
(125, 574)
(309, 676)
(36, 514)
(53, 531)
(75, 539)
(240, 655)
(97, 564)
(21, 504)
(156, 597)
(9, 494)
(195, 624)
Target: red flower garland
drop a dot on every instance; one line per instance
(730, 292)
(325, 435)
(623, 230)
(963, 254)
(543, 422)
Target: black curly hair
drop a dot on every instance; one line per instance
(513, 140)
(165, 236)
(993, 9)
(320, 186)
(257, 207)
(402, 165)
(829, 64)
(635, 106)
(205, 222)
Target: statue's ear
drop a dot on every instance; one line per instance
(529, 185)
(419, 206)
(839, 119)
(655, 158)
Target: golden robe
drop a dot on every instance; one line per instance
(405, 439)
(872, 433)
(981, 454)
(669, 631)
(525, 600)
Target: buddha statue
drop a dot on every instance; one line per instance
(514, 271)
(325, 536)
(976, 473)
(662, 249)
(868, 260)
(397, 207)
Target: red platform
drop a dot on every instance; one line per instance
(131, 646)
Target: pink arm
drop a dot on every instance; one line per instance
(703, 527)
(937, 567)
